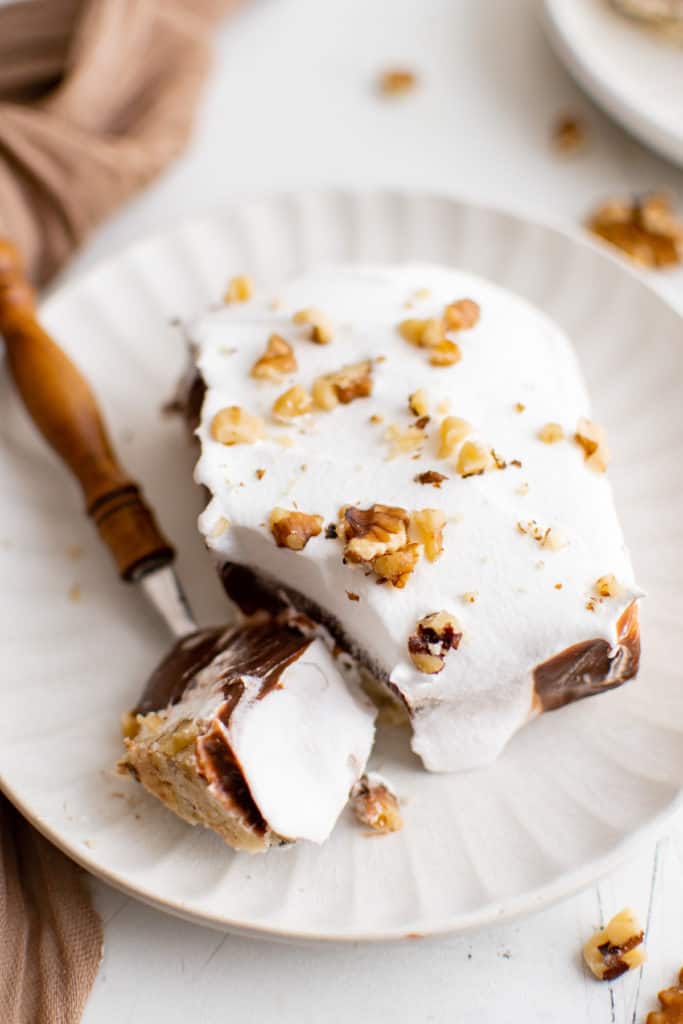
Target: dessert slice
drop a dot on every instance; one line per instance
(253, 732)
(407, 456)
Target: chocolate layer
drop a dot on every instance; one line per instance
(590, 667)
(257, 650)
(579, 671)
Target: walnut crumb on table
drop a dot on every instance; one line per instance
(645, 228)
(616, 948)
(397, 81)
(671, 1000)
(568, 134)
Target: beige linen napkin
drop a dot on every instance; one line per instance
(96, 96)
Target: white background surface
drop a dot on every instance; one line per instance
(291, 103)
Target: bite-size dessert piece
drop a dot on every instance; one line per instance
(407, 455)
(252, 731)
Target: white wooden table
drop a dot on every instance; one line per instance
(290, 104)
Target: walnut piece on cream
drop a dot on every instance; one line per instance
(435, 635)
(417, 403)
(474, 459)
(462, 315)
(426, 528)
(616, 948)
(233, 425)
(607, 586)
(375, 804)
(551, 433)
(452, 432)
(277, 361)
(404, 440)
(592, 438)
(397, 566)
(353, 381)
(445, 353)
(294, 402)
(372, 532)
(322, 330)
(430, 477)
(293, 529)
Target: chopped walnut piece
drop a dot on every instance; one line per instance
(445, 353)
(240, 289)
(551, 538)
(260, 473)
(435, 635)
(430, 476)
(352, 596)
(551, 433)
(470, 596)
(277, 361)
(293, 529)
(378, 530)
(616, 948)
(452, 432)
(375, 805)
(519, 407)
(462, 315)
(593, 440)
(233, 425)
(404, 440)
(397, 566)
(671, 1000)
(426, 527)
(296, 401)
(554, 540)
(568, 134)
(607, 586)
(322, 330)
(353, 381)
(397, 81)
(474, 459)
(645, 228)
(376, 418)
(423, 333)
(417, 402)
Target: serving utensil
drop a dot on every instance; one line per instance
(63, 407)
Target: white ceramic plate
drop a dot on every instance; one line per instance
(572, 791)
(632, 72)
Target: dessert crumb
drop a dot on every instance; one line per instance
(569, 134)
(397, 81)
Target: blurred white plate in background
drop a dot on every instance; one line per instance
(635, 74)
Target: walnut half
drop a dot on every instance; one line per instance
(616, 948)
(293, 529)
(375, 804)
(435, 635)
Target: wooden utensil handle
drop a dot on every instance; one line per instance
(63, 407)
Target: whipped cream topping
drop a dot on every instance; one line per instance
(518, 603)
(300, 746)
